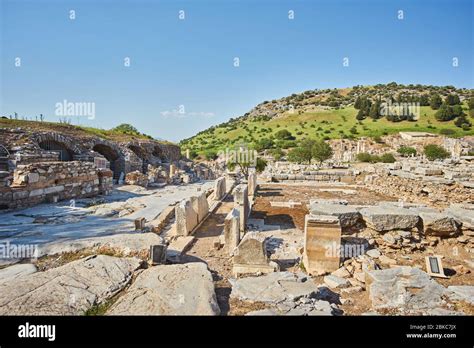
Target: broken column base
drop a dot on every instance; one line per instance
(322, 244)
(242, 269)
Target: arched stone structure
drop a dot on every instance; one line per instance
(113, 156)
(65, 154)
(4, 156)
(142, 155)
(66, 147)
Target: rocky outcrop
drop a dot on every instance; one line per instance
(71, 289)
(16, 271)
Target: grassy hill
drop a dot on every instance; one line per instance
(122, 133)
(328, 114)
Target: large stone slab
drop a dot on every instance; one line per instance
(127, 244)
(461, 293)
(349, 216)
(200, 206)
(387, 218)
(404, 288)
(16, 271)
(185, 289)
(219, 188)
(186, 217)
(464, 215)
(71, 289)
(251, 250)
(273, 287)
(322, 244)
(439, 224)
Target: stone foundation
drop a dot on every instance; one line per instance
(54, 181)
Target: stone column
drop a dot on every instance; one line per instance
(241, 202)
(252, 182)
(232, 230)
(172, 170)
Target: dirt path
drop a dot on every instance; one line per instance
(218, 261)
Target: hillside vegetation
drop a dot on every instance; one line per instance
(123, 132)
(341, 113)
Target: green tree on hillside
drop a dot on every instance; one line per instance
(435, 101)
(360, 115)
(445, 113)
(284, 134)
(321, 151)
(374, 112)
(453, 99)
(463, 122)
(303, 153)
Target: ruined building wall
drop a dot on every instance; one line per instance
(52, 181)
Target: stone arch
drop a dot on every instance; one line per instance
(141, 154)
(65, 146)
(65, 153)
(112, 155)
(158, 152)
(4, 156)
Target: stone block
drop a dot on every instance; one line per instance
(349, 216)
(186, 218)
(219, 188)
(158, 254)
(322, 244)
(387, 218)
(439, 224)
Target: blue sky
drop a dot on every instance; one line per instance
(188, 65)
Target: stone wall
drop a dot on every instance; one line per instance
(320, 175)
(53, 181)
(442, 193)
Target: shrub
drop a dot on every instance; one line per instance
(434, 152)
(210, 154)
(364, 157)
(447, 131)
(387, 158)
(284, 135)
(406, 151)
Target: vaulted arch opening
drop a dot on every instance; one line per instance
(64, 153)
(110, 155)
